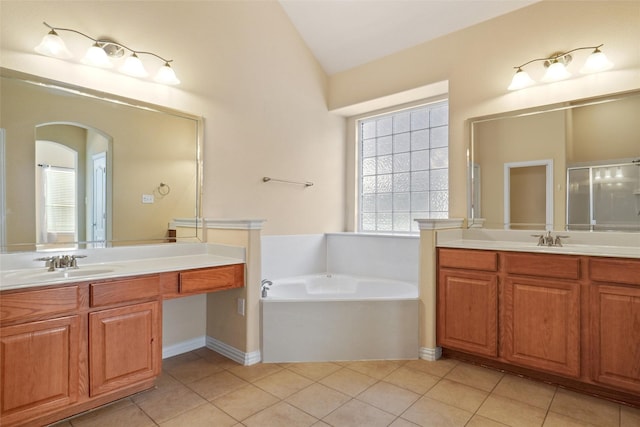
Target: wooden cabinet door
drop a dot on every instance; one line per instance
(615, 329)
(39, 367)
(542, 324)
(467, 317)
(124, 346)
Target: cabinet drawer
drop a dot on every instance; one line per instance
(212, 279)
(38, 303)
(542, 265)
(468, 259)
(615, 271)
(120, 291)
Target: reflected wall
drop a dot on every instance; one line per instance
(149, 147)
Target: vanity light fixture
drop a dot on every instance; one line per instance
(103, 53)
(556, 66)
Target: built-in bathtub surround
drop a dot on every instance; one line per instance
(383, 256)
(341, 296)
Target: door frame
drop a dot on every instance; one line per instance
(3, 190)
(548, 164)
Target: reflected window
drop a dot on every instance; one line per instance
(56, 195)
(59, 201)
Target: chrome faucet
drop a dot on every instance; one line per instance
(548, 240)
(56, 262)
(265, 285)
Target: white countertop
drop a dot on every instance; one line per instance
(623, 245)
(19, 271)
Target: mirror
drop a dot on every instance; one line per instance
(579, 143)
(82, 169)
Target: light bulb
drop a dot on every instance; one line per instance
(520, 80)
(596, 62)
(133, 67)
(619, 173)
(166, 75)
(556, 71)
(53, 45)
(97, 57)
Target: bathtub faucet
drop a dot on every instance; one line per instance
(265, 285)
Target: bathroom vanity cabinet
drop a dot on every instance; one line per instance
(468, 301)
(68, 348)
(570, 319)
(541, 312)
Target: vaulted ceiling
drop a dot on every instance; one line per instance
(343, 34)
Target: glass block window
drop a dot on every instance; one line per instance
(403, 174)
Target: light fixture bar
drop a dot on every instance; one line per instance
(556, 66)
(52, 45)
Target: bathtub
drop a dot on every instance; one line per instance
(337, 317)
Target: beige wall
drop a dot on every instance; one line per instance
(478, 63)
(606, 131)
(244, 68)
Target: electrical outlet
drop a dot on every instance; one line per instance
(240, 302)
(147, 198)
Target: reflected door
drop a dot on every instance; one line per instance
(99, 199)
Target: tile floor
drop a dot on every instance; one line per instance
(202, 388)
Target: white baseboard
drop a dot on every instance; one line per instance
(431, 354)
(233, 353)
(183, 347)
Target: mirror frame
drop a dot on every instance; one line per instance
(46, 83)
(472, 221)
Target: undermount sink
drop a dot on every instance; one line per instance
(45, 275)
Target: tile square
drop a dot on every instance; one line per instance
(255, 372)
(438, 368)
(349, 382)
(400, 422)
(512, 412)
(586, 408)
(171, 362)
(314, 371)
(558, 420)
(356, 413)
(215, 357)
(193, 370)
(217, 385)
(480, 421)
(388, 397)
(164, 406)
(475, 376)
(203, 416)
(411, 379)
(130, 416)
(458, 395)
(245, 401)
(377, 369)
(629, 417)
(280, 415)
(427, 412)
(283, 383)
(318, 400)
(527, 391)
